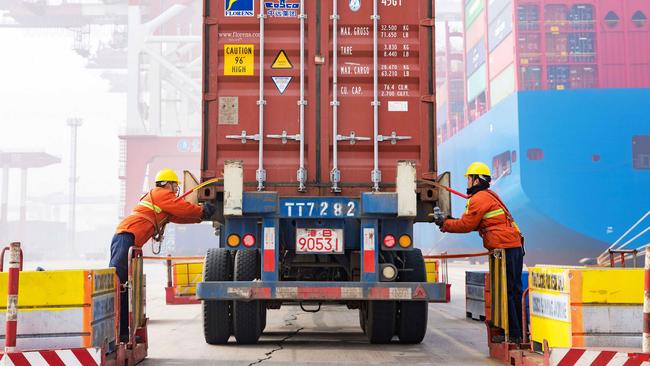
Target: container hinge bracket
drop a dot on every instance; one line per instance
(353, 138)
(428, 98)
(285, 137)
(428, 22)
(210, 20)
(244, 137)
(208, 97)
(393, 138)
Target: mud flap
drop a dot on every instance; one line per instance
(190, 182)
(444, 197)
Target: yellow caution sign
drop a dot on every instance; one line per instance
(282, 61)
(239, 59)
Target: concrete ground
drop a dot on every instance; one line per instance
(329, 337)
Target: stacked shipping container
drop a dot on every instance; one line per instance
(524, 45)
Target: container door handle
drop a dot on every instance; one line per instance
(353, 138)
(244, 137)
(285, 137)
(393, 138)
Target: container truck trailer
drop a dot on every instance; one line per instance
(320, 117)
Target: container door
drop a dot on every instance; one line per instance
(404, 74)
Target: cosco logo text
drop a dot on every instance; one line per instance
(282, 4)
(321, 209)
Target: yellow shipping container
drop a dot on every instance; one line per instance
(63, 309)
(586, 307)
(431, 266)
(185, 277)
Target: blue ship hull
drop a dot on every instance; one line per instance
(571, 186)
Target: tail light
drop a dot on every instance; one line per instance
(248, 240)
(405, 241)
(233, 240)
(389, 241)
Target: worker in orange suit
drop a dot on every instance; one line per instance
(487, 214)
(147, 220)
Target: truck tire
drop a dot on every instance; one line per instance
(412, 315)
(217, 315)
(380, 323)
(246, 314)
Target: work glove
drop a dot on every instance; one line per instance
(439, 217)
(208, 211)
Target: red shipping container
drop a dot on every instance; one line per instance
(231, 114)
(530, 77)
(555, 17)
(502, 56)
(557, 48)
(583, 77)
(528, 48)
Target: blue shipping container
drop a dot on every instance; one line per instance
(476, 57)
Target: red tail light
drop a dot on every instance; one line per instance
(248, 240)
(389, 241)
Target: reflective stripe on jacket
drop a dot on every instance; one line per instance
(166, 209)
(484, 214)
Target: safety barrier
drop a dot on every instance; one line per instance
(586, 307)
(58, 309)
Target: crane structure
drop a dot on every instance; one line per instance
(149, 50)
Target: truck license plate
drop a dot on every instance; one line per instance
(319, 241)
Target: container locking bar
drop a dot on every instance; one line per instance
(335, 174)
(375, 175)
(260, 174)
(301, 174)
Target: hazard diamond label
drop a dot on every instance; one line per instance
(282, 61)
(419, 293)
(281, 82)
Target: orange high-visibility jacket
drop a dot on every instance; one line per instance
(484, 213)
(166, 207)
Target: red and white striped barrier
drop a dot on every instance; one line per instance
(583, 357)
(66, 357)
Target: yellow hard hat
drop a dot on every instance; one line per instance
(478, 168)
(166, 175)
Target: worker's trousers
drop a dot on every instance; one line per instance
(514, 264)
(119, 259)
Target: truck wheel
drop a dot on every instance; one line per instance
(413, 315)
(380, 324)
(217, 315)
(246, 314)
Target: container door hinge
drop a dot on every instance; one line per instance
(210, 20)
(428, 22)
(428, 98)
(208, 97)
